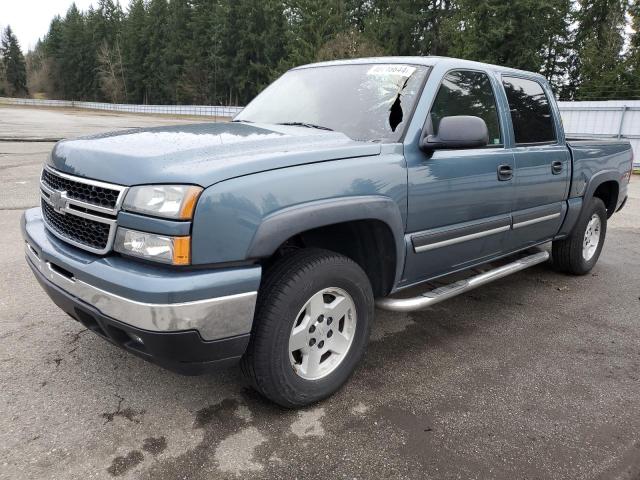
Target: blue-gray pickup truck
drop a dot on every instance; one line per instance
(268, 240)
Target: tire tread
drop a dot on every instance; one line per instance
(567, 252)
(278, 280)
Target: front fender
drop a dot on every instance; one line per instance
(248, 217)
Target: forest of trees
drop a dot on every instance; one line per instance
(225, 51)
(13, 72)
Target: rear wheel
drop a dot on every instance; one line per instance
(311, 327)
(579, 252)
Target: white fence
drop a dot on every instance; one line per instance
(606, 119)
(197, 110)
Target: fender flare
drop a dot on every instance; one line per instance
(283, 224)
(598, 179)
(575, 205)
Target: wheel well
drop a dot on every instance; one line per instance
(369, 243)
(608, 193)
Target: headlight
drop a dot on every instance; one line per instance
(169, 201)
(159, 248)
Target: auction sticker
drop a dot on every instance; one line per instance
(401, 70)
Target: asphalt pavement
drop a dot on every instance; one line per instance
(536, 376)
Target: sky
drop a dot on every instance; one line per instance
(30, 19)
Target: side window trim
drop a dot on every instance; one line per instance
(501, 125)
(554, 142)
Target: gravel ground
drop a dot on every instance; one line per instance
(534, 376)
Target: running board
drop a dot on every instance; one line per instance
(448, 291)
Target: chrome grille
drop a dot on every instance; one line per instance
(89, 193)
(79, 211)
(87, 232)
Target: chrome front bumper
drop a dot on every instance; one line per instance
(214, 318)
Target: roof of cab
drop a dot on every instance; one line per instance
(427, 61)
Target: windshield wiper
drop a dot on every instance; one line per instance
(304, 124)
(241, 121)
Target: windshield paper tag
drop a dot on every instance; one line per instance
(401, 70)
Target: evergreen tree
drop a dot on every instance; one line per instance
(632, 60)
(255, 43)
(134, 51)
(203, 75)
(179, 44)
(394, 25)
(3, 79)
(312, 23)
(14, 68)
(52, 51)
(226, 51)
(598, 67)
(104, 24)
(411, 27)
(156, 69)
(524, 34)
(75, 57)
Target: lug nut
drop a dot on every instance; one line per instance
(329, 321)
(320, 318)
(321, 344)
(329, 333)
(312, 342)
(312, 328)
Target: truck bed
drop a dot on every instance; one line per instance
(591, 157)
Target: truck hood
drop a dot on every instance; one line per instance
(201, 154)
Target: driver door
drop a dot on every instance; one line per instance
(459, 199)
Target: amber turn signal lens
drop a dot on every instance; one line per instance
(181, 250)
(150, 246)
(189, 202)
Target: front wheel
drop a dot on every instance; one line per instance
(311, 327)
(579, 252)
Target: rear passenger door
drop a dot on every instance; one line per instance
(542, 162)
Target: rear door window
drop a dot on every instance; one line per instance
(530, 111)
(466, 92)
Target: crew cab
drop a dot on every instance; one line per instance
(268, 240)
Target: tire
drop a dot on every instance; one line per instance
(291, 292)
(570, 254)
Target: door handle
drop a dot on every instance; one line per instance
(556, 167)
(505, 172)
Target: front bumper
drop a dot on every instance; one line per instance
(185, 320)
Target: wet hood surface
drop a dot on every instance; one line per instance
(201, 154)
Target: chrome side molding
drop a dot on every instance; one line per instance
(427, 240)
(448, 291)
(464, 238)
(535, 220)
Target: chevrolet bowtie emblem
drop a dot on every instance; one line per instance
(58, 200)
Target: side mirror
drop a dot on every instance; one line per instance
(460, 131)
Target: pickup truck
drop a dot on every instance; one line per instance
(270, 239)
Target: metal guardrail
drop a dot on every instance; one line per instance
(196, 110)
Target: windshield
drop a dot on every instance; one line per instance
(369, 102)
